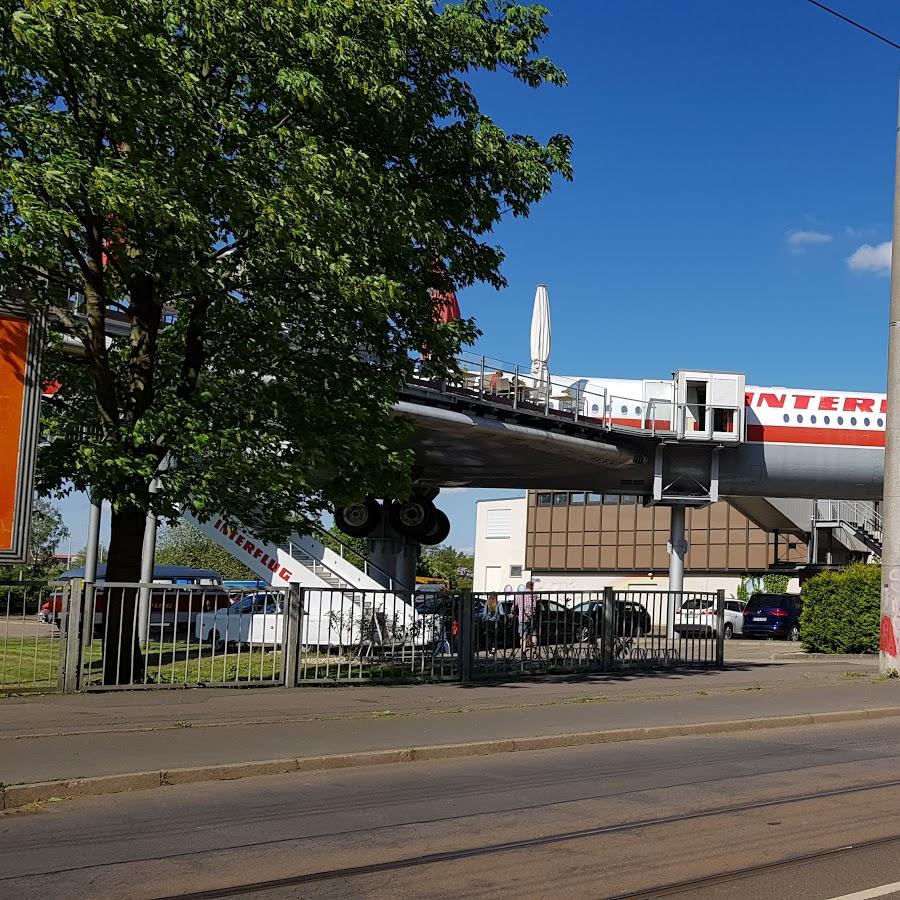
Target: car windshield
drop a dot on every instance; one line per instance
(696, 604)
(249, 604)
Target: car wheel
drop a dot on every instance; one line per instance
(729, 631)
(217, 643)
(358, 519)
(794, 633)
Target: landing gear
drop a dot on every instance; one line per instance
(358, 519)
(413, 518)
(417, 519)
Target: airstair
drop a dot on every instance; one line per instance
(860, 519)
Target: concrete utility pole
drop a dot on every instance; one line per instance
(890, 551)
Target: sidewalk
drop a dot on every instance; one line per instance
(55, 738)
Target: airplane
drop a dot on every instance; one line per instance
(688, 439)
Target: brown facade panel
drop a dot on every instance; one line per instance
(574, 558)
(718, 515)
(542, 518)
(576, 518)
(614, 536)
(718, 556)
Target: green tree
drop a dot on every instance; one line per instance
(48, 531)
(185, 545)
(775, 584)
(446, 562)
(264, 193)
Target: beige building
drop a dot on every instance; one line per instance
(577, 540)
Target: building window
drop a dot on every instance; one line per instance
(594, 498)
(561, 498)
(498, 523)
(628, 498)
(515, 571)
(610, 500)
(576, 499)
(544, 499)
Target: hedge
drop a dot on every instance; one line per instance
(841, 610)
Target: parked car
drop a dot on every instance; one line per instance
(554, 623)
(174, 600)
(256, 619)
(631, 619)
(698, 616)
(773, 615)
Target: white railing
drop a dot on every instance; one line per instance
(494, 380)
(856, 514)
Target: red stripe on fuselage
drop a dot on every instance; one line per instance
(795, 434)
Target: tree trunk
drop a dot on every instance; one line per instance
(123, 662)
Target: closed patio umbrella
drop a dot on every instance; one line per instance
(540, 339)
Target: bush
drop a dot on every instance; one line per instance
(775, 584)
(841, 610)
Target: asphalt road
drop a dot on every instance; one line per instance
(795, 813)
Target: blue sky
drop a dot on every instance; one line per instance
(730, 162)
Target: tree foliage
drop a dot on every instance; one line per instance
(185, 545)
(264, 193)
(448, 563)
(775, 583)
(841, 610)
(48, 531)
(283, 184)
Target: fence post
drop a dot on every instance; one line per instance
(466, 650)
(72, 646)
(291, 635)
(720, 628)
(607, 638)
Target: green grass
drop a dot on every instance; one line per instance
(33, 662)
(28, 662)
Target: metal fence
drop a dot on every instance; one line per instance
(74, 636)
(30, 649)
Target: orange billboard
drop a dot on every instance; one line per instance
(19, 398)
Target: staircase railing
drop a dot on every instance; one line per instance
(348, 553)
(857, 515)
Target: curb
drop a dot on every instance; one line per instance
(13, 796)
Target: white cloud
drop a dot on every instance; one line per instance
(871, 259)
(798, 240)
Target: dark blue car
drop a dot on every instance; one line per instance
(773, 616)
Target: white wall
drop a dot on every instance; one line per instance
(500, 529)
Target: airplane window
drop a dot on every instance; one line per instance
(637, 409)
(853, 421)
(595, 408)
(827, 420)
(881, 423)
(867, 422)
(840, 420)
(787, 418)
(799, 418)
(812, 419)
(624, 409)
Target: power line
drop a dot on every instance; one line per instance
(849, 21)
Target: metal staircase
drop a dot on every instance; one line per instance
(859, 518)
